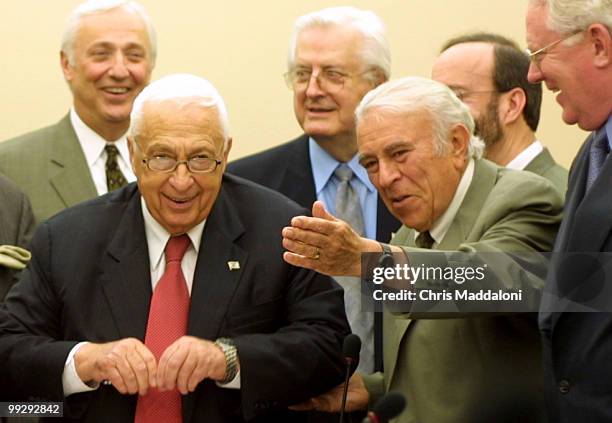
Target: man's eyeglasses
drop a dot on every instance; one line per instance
(537, 56)
(329, 80)
(167, 164)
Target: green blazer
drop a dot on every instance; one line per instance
(544, 165)
(474, 368)
(50, 167)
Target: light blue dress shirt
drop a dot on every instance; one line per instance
(326, 185)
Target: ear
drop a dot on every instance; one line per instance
(512, 105)
(226, 152)
(378, 78)
(459, 141)
(67, 69)
(131, 141)
(601, 40)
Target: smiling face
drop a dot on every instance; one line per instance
(583, 90)
(178, 200)
(415, 183)
(324, 115)
(111, 65)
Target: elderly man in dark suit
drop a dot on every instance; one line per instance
(107, 55)
(16, 229)
(571, 52)
(173, 289)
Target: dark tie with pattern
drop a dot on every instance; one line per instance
(167, 322)
(424, 240)
(114, 177)
(598, 154)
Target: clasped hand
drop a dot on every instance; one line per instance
(131, 367)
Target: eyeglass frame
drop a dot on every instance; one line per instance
(146, 161)
(344, 75)
(537, 56)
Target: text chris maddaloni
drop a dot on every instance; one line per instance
(442, 284)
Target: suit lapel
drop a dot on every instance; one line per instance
(214, 283)
(297, 181)
(72, 181)
(483, 181)
(127, 276)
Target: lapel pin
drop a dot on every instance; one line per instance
(233, 265)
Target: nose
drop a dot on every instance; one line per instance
(181, 179)
(119, 68)
(313, 89)
(534, 74)
(388, 173)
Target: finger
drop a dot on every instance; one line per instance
(174, 360)
(319, 210)
(184, 375)
(149, 359)
(116, 380)
(304, 236)
(314, 224)
(305, 262)
(139, 369)
(303, 406)
(127, 374)
(200, 372)
(302, 249)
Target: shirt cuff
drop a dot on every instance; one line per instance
(71, 382)
(232, 384)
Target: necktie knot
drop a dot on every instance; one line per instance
(111, 151)
(424, 240)
(344, 173)
(176, 248)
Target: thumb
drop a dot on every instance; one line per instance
(318, 210)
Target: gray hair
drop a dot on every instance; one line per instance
(376, 53)
(91, 7)
(413, 94)
(181, 88)
(568, 16)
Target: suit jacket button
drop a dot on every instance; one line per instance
(564, 386)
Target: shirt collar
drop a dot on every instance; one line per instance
(323, 167)
(526, 156)
(92, 143)
(157, 236)
(442, 225)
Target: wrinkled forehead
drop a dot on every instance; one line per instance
(180, 119)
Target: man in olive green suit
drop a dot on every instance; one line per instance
(415, 140)
(107, 55)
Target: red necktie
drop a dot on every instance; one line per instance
(167, 323)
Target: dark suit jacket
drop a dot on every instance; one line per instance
(50, 167)
(90, 280)
(578, 346)
(16, 226)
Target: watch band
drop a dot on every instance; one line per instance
(386, 258)
(231, 359)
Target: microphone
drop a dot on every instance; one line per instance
(350, 348)
(386, 408)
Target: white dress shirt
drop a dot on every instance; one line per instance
(525, 157)
(442, 225)
(157, 237)
(93, 145)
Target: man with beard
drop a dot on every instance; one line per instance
(488, 72)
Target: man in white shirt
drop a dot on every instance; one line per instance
(169, 301)
(488, 72)
(107, 55)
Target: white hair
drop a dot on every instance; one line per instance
(572, 16)
(375, 54)
(414, 94)
(181, 88)
(91, 7)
